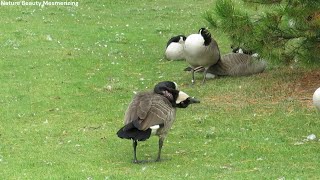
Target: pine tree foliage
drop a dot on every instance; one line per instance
(283, 30)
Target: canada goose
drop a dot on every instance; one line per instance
(201, 50)
(235, 49)
(174, 49)
(237, 64)
(150, 111)
(316, 99)
(234, 64)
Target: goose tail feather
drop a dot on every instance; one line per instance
(129, 131)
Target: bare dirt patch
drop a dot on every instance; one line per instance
(284, 85)
(307, 84)
(304, 87)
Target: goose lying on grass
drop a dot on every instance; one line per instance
(234, 64)
(174, 49)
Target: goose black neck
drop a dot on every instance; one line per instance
(206, 36)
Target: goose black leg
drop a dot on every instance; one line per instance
(192, 72)
(160, 147)
(135, 143)
(204, 75)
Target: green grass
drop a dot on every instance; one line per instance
(68, 74)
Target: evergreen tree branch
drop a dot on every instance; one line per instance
(290, 24)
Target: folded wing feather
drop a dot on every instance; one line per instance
(148, 109)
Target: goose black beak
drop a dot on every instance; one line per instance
(187, 102)
(193, 100)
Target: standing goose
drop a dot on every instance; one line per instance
(150, 111)
(201, 50)
(174, 49)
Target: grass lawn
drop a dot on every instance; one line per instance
(67, 74)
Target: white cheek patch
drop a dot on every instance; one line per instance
(176, 85)
(181, 97)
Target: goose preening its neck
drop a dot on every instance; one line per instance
(201, 50)
(153, 111)
(174, 49)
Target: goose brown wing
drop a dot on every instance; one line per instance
(148, 109)
(134, 109)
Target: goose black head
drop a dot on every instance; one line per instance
(169, 89)
(235, 49)
(171, 94)
(176, 39)
(164, 85)
(238, 49)
(206, 36)
(183, 38)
